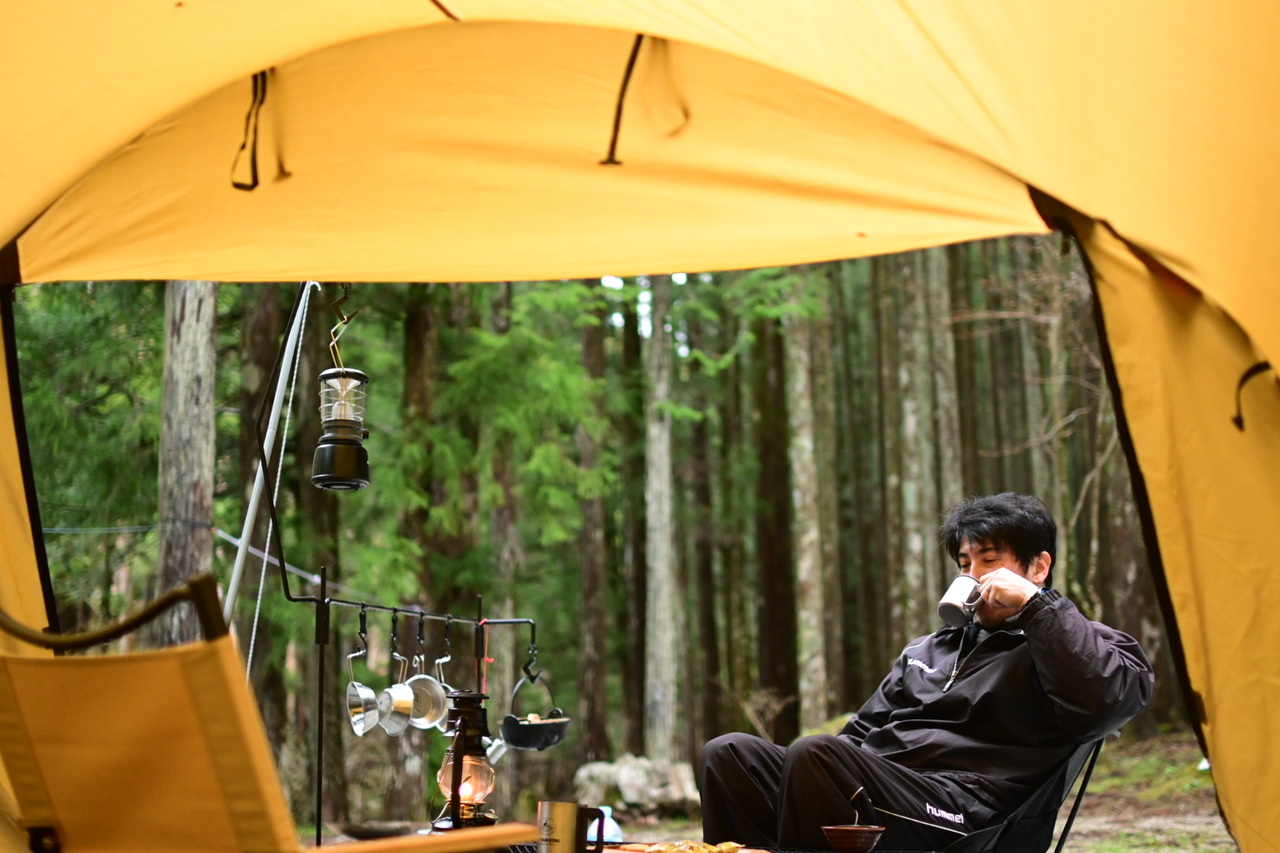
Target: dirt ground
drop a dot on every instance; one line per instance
(1150, 795)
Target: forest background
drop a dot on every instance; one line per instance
(716, 494)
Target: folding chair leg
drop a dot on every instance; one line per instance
(1075, 807)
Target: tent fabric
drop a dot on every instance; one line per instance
(441, 191)
(21, 588)
(1178, 360)
(462, 140)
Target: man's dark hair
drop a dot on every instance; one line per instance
(1021, 523)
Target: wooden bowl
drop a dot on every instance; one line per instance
(853, 838)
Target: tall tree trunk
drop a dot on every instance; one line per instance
(963, 333)
(863, 511)
(946, 419)
(594, 741)
(421, 356)
(407, 797)
(738, 633)
(662, 640)
(886, 280)
(918, 510)
(635, 526)
(811, 606)
(508, 647)
(826, 451)
(186, 446)
(776, 706)
(702, 510)
(453, 308)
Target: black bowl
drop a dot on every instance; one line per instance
(853, 838)
(534, 732)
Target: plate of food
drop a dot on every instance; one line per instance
(684, 847)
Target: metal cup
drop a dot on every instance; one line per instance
(563, 828)
(430, 700)
(362, 706)
(395, 703)
(960, 601)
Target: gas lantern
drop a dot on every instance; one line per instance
(466, 777)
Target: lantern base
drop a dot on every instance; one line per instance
(446, 823)
(340, 463)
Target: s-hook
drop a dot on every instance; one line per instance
(529, 664)
(343, 320)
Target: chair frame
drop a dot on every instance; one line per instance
(1005, 837)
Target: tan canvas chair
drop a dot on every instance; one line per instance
(157, 751)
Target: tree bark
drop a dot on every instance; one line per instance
(776, 615)
(407, 797)
(946, 418)
(635, 527)
(810, 596)
(186, 447)
(594, 741)
(662, 642)
(703, 512)
(739, 632)
(826, 452)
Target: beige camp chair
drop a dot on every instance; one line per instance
(158, 751)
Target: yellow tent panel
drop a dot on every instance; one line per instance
(463, 140)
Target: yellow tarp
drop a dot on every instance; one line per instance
(462, 140)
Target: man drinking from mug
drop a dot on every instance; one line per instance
(966, 725)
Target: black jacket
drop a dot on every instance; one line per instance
(1020, 699)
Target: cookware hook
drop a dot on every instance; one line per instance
(529, 664)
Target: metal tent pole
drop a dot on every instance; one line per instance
(282, 382)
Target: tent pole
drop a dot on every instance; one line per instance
(269, 440)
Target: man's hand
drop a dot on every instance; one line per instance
(1004, 593)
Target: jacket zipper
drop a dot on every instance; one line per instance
(956, 670)
(961, 657)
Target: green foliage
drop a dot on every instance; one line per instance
(89, 358)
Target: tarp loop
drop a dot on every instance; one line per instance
(250, 140)
(443, 10)
(611, 159)
(1260, 367)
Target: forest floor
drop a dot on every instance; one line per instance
(1146, 795)
(1150, 795)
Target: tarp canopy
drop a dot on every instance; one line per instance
(477, 140)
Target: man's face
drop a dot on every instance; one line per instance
(977, 559)
(1006, 592)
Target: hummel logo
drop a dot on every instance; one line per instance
(921, 664)
(937, 812)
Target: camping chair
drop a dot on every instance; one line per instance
(1030, 828)
(158, 750)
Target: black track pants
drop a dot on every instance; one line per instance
(763, 795)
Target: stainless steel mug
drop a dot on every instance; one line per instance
(564, 827)
(960, 601)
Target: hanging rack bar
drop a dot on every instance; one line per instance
(408, 611)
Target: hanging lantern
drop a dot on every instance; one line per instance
(466, 777)
(341, 463)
